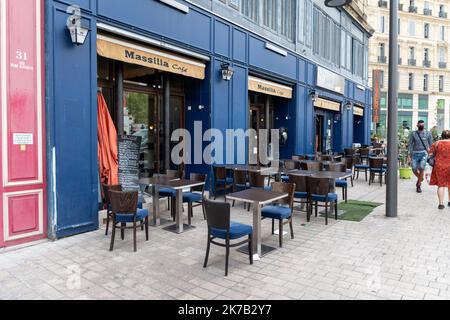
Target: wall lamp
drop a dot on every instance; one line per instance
(349, 106)
(227, 71)
(337, 3)
(78, 31)
(314, 95)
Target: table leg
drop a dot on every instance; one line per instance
(179, 211)
(256, 243)
(156, 215)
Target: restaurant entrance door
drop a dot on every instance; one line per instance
(261, 117)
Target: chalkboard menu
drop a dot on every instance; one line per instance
(129, 149)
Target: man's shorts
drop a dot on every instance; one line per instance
(419, 161)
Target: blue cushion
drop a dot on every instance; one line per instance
(268, 188)
(167, 192)
(222, 181)
(276, 212)
(341, 183)
(362, 166)
(237, 230)
(141, 214)
(285, 178)
(301, 195)
(190, 197)
(242, 186)
(331, 197)
(379, 170)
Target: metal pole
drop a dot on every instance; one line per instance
(392, 153)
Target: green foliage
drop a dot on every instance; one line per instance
(355, 210)
(137, 104)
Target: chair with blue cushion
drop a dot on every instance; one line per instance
(321, 190)
(194, 197)
(282, 210)
(290, 165)
(376, 168)
(124, 207)
(340, 183)
(170, 193)
(221, 227)
(221, 180)
(360, 167)
(301, 190)
(240, 182)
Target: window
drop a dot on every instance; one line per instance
(442, 54)
(441, 83)
(250, 9)
(426, 54)
(381, 79)
(424, 116)
(405, 120)
(425, 82)
(287, 18)
(358, 58)
(426, 30)
(382, 53)
(442, 33)
(410, 81)
(441, 115)
(412, 28)
(411, 53)
(423, 102)
(381, 24)
(270, 14)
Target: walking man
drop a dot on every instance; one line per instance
(420, 142)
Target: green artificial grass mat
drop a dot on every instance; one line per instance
(354, 210)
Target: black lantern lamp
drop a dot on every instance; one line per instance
(314, 95)
(227, 71)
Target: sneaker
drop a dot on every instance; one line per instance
(419, 189)
(441, 207)
(449, 204)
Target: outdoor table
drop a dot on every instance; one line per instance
(179, 185)
(245, 167)
(303, 173)
(154, 183)
(332, 175)
(257, 198)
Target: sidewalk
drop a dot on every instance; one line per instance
(379, 258)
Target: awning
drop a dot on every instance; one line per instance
(358, 111)
(269, 87)
(327, 104)
(134, 53)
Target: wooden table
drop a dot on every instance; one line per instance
(332, 175)
(257, 198)
(179, 185)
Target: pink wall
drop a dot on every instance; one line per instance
(22, 122)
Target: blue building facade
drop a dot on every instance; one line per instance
(283, 52)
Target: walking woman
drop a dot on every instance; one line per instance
(441, 170)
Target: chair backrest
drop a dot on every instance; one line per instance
(314, 166)
(220, 172)
(301, 183)
(283, 187)
(240, 177)
(349, 162)
(107, 188)
(337, 167)
(349, 152)
(298, 157)
(364, 152)
(201, 177)
(257, 180)
(124, 202)
(376, 163)
(326, 158)
(320, 186)
(291, 165)
(217, 214)
(174, 174)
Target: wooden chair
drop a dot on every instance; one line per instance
(322, 190)
(195, 197)
(301, 190)
(170, 193)
(221, 181)
(377, 168)
(282, 211)
(340, 183)
(220, 226)
(298, 157)
(314, 166)
(359, 166)
(240, 182)
(257, 180)
(124, 210)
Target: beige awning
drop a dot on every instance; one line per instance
(327, 104)
(269, 87)
(358, 111)
(117, 49)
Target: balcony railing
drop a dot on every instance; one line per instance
(382, 59)
(412, 62)
(443, 65)
(382, 4)
(412, 9)
(427, 12)
(442, 14)
(427, 63)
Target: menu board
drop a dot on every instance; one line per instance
(129, 149)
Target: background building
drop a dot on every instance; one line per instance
(423, 61)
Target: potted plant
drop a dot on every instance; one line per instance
(405, 168)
